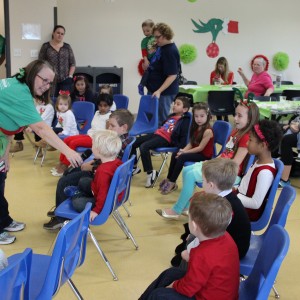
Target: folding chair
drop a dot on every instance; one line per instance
(147, 116)
(121, 101)
(118, 193)
(290, 94)
(279, 217)
(49, 272)
(164, 152)
(14, 279)
(271, 254)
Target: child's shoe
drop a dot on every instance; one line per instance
(150, 179)
(6, 238)
(169, 187)
(141, 89)
(162, 184)
(283, 183)
(15, 226)
(70, 190)
(54, 223)
(17, 147)
(298, 157)
(136, 170)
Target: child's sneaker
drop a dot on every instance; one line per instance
(169, 188)
(298, 157)
(150, 179)
(136, 170)
(15, 226)
(54, 223)
(6, 238)
(283, 183)
(162, 184)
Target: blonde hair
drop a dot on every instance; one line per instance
(107, 142)
(221, 171)
(211, 213)
(148, 23)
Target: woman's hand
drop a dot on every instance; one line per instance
(240, 71)
(88, 166)
(74, 158)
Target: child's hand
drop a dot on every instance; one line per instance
(60, 133)
(185, 255)
(88, 166)
(170, 285)
(179, 152)
(93, 215)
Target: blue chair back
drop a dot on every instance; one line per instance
(14, 279)
(121, 101)
(68, 254)
(221, 131)
(262, 222)
(84, 113)
(128, 148)
(118, 191)
(261, 279)
(147, 117)
(282, 208)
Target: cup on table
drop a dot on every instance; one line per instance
(282, 98)
(217, 82)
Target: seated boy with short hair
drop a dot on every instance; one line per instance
(120, 121)
(213, 265)
(173, 133)
(106, 146)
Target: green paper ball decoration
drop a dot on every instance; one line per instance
(192, 1)
(280, 61)
(188, 53)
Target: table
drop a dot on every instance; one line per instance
(274, 110)
(200, 92)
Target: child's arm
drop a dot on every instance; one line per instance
(264, 181)
(88, 166)
(208, 134)
(48, 114)
(185, 255)
(240, 155)
(184, 150)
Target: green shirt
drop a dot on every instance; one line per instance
(17, 107)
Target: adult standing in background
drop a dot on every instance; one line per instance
(261, 83)
(61, 56)
(163, 71)
(17, 109)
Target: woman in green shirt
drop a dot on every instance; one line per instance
(17, 110)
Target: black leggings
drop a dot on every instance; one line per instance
(288, 142)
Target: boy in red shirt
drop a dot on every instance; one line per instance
(106, 146)
(213, 265)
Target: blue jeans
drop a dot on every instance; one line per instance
(164, 106)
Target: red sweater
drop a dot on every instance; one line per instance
(101, 183)
(213, 271)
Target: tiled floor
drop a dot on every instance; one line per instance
(30, 190)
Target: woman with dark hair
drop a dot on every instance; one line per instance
(61, 56)
(221, 73)
(17, 109)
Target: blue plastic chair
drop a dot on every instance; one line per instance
(14, 279)
(147, 116)
(121, 101)
(49, 272)
(279, 216)
(118, 193)
(262, 222)
(271, 254)
(164, 151)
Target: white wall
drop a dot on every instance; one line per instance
(32, 12)
(105, 34)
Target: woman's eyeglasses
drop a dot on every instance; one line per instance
(45, 81)
(157, 36)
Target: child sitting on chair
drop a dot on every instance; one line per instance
(106, 146)
(173, 133)
(213, 265)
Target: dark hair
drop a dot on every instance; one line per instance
(186, 101)
(30, 73)
(79, 78)
(56, 27)
(222, 61)
(272, 133)
(123, 116)
(211, 213)
(196, 139)
(107, 98)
